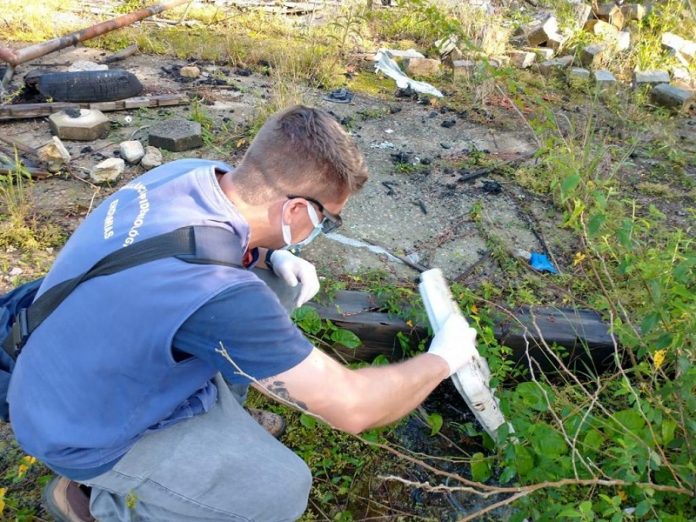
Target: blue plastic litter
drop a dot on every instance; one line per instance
(541, 263)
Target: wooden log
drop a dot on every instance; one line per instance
(39, 110)
(581, 335)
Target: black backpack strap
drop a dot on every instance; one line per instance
(193, 244)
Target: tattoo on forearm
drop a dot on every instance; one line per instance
(278, 389)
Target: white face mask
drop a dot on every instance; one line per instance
(287, 233)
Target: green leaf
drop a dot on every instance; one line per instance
(345, 338)
(507, 475)
(435, 423)
(308, 421)
(595, 223)
(547, 441)
(524, 461)
(380, 360)
(642, 508)
(532, 395)
(649, 322)
(593, 440)
(631, 419)
(307, 319)
(668, 427)
(480, 468)
(568, 184)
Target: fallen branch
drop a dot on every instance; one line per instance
(120, 55)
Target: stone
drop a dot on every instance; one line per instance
(556, 41)
(463, 67)
(543, 53)
(152, 158)
(422, 66)
(578, 75)
(86, 65)
(672, 97)
(538, 33)
(54, 155)
(623, 41)
(601, 28)
(592, 54)
(522, 59)
(611, 13)
(604, 79)
(681, 74)
(108, 170)
(132, 151)
(650, 78)
(688, 49)
(190, 71)
(678, 45)
(581, 13)
(633, 12)
(79, 124)
(176, 135)
(549, 66)
(448, 47)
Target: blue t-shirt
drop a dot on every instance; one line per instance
(249, 321)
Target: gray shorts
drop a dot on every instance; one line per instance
(217, 466)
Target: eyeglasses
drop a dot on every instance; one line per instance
(330, 222)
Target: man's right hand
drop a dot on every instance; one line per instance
(455, 343)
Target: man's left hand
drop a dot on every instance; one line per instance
(292, 270)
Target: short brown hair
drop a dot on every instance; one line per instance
(301, 150)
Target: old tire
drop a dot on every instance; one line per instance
(89, 86)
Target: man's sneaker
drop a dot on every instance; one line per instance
(271, 422)
(67, 501)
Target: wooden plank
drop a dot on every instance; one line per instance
(582, 334)
(39, 110)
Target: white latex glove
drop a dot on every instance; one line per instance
(293, 270)
(455, 342)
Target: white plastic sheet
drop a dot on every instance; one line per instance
(385, 64)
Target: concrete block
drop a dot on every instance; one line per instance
(152, 158)
(672, 42)
(543, 53)
(132, 151)
(592, 54)
(623, 41)
(548, 67)
(538, 33)
(463, 68)
(581, 13)
(522, 59)
(176, 135)
(190, 71)
(578, 76)
(681, 74)
(633, 12)
(611, 13)
(107, 171)
(601, 28)
(79, 124)
(422, 66)
(650, 78)
(556, 41)
(604, 79)
(672, 97)
(54, 155)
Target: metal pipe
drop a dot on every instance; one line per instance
(16, 57)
